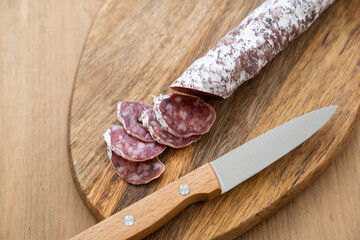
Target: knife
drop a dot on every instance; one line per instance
(210, 180)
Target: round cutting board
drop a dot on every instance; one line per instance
(135, 49)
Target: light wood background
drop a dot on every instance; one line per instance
(40, 45)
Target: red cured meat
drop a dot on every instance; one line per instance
(136, 172)
(245, 50)
(129, 147)
(160, 135)
(183, 115)
(128, 113)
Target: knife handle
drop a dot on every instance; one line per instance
(153, 211)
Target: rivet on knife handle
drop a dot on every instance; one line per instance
(153, 211)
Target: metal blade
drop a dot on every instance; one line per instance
(250, 158)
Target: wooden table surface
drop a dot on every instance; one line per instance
(40, 45)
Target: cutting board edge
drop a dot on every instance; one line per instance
(99, 217)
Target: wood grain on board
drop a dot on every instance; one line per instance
(138, 48)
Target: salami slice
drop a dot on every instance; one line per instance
(128, 113)
(183, 115)
(129, 147)
(245, 50)
(160, 135)
(136, 172)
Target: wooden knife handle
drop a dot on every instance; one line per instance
(153, 211)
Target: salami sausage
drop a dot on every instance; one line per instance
(128, 113)
(183, 115)
(136, 172)
(129, 147)
(160, 135)
(245, 50)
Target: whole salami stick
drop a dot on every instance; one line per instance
(245, 50)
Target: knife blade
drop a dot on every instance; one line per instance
(210, 180)
(245, 161)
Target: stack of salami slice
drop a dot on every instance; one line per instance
(174, 120)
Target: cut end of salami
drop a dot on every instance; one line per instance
(188, 90)
(136, 172)
(162, 136)
(129, 147)
(183, 115)
(128, 113)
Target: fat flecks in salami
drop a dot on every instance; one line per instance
(136, 172)
(129, 147)
(183, 115)
(128, 113)
(162, 136)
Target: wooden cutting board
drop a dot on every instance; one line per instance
(135, 49)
